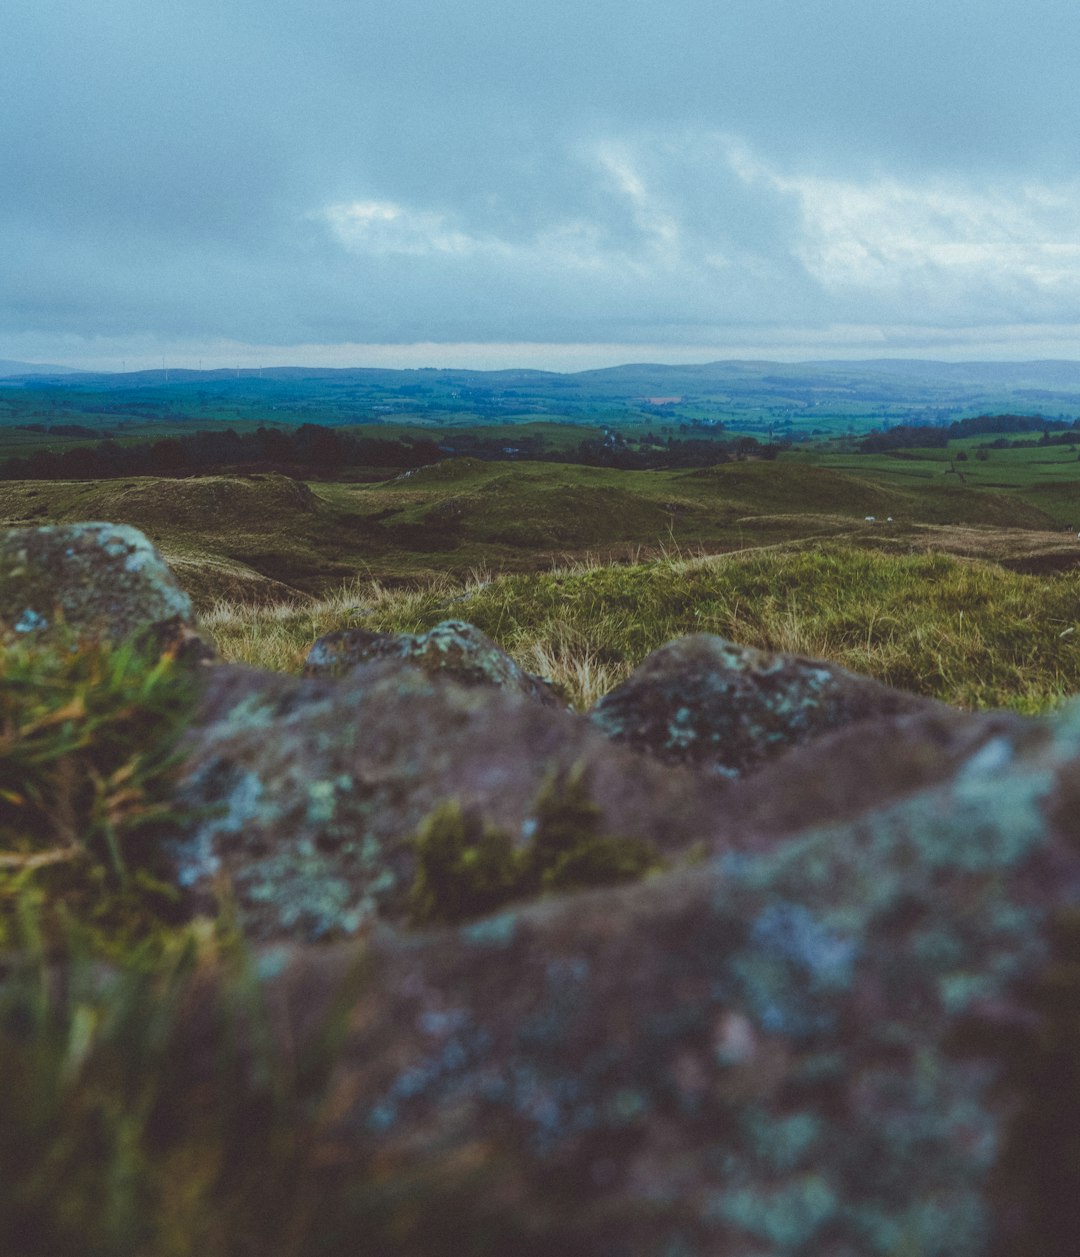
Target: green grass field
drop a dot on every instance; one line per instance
(1047, 478)
(966, 631)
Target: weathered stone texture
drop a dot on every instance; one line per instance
(725, 708)
(799, 1052)
(311, 791)
(94, 580)
(452, 648)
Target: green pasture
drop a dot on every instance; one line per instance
(1046, 477)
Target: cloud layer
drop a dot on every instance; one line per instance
(347, 173)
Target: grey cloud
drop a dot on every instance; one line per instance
(168, 169)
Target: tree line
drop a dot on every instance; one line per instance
(312, 449)
(909, 436)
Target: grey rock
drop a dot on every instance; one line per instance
(822, 1049)
(453, 647)
(843, 774)
(706, 702)
(308, 792)
(94, 580)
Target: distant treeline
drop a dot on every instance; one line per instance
(907, 437)
(320, 451)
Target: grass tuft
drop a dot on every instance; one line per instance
(88, 738)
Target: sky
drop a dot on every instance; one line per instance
(559, 183)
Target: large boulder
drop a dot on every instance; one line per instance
(307, 794)
(858, 1041)
(92, 580)
(452, 648)
(706, 702)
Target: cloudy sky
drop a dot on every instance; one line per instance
(557, 183)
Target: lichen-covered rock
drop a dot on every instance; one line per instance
(706, 702)
(308, 793)
(93, 580)
(453, 647)
(861, 768)
(860, 1041)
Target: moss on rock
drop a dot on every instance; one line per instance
(452, 648)
(466, 868)
(725, 708)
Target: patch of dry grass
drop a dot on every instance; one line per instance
(966, 631)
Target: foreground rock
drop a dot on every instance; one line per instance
(308, 793)
(92, 580)
(452, 648)
(855, 1043)
(706, 702)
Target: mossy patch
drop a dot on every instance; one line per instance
(466, 868)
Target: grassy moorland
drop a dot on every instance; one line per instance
(968, 592)
(249, 536)
(966, 631)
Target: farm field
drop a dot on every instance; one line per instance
(1045, 477)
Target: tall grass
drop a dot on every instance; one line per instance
(88, 735)
(965, 631)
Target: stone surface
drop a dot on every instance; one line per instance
(707, 702)
(94, 579)
(843, 774)
(309, 792)
(831, 1048)
(453, 648)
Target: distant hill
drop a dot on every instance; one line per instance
(777, 400)
(8, 367)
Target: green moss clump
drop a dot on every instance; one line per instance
(466, 868)
(88, 736)
(569, 848)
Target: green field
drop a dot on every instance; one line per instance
(1047, 478)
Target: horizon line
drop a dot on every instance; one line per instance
(46, 370)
